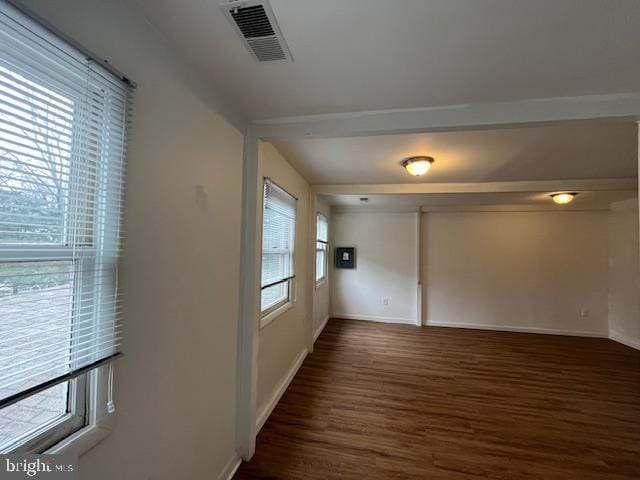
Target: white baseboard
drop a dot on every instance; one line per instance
(265, 411)
(321, 328)
(620, 338)
(230, 468)
(510, 328)
(374, 318)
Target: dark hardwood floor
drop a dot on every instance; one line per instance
(378, 401)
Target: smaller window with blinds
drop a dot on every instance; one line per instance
(278, 247)
(322, 242)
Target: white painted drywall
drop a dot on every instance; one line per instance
(537, 271)
(386, 267)
(321, 300)
(282, 340)
(624, 273)
(175, 387)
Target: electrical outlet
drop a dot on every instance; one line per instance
(385, 302)
(584, 312)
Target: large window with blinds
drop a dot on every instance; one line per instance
(278, 247)
(322, 243)
(63, 120)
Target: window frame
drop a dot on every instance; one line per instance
(99, 420)
(76, 419)
(286, 299)
(267, 315)
(53, 432)
(89, 418)
(274, 311)
(322, 246)
(56, 430)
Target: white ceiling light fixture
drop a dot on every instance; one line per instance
(418, 165)
(563, 198)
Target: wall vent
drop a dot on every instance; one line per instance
(254, 21)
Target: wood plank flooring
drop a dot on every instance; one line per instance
(379, 401)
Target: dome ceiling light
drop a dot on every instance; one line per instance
(563, 198)
(418, 165)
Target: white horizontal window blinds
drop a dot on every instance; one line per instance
(63, 124)
(322, 241)
(278, 245)
(322, 229)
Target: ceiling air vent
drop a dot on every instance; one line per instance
(255, 23)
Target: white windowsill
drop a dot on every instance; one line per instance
(271, 316)
(83, 440)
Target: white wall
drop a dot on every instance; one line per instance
(284, 340)
(321, 295)
(175, 387)
(624, 273)
(523, 270)
(386, 267)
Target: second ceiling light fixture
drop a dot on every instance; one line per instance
(418, 165)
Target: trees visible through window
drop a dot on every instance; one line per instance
(62, 140)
